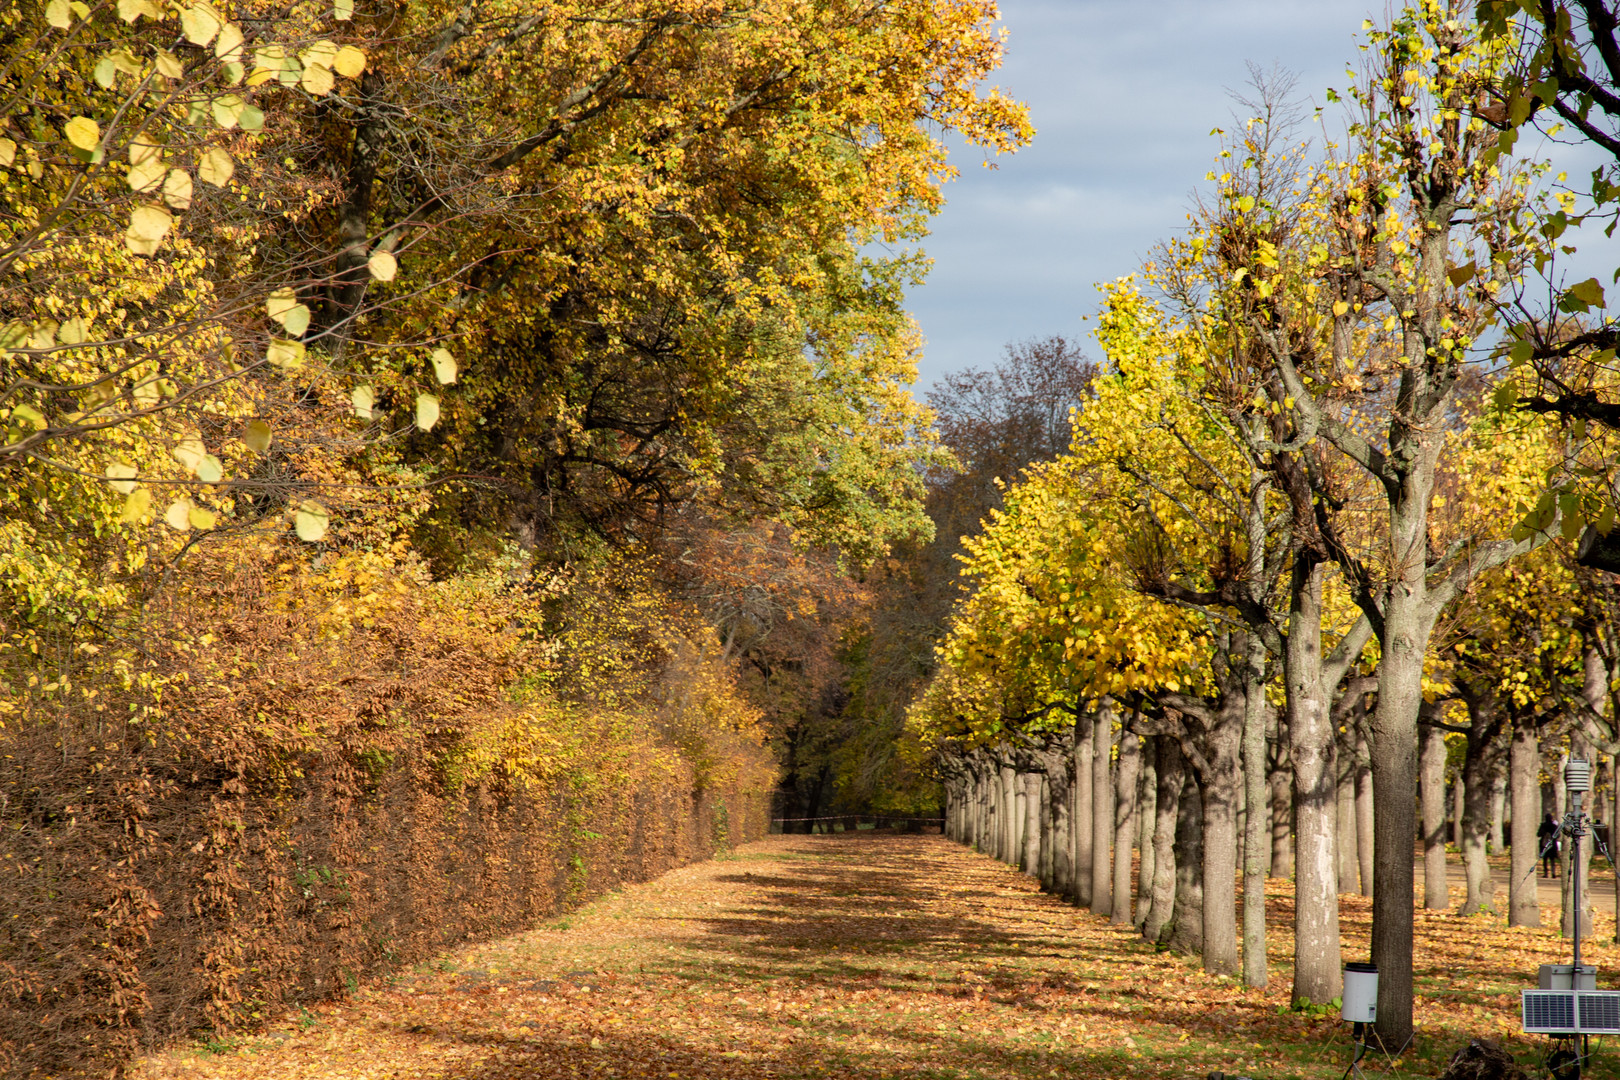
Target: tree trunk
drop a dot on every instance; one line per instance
(1184, 933)
(1012, 822)
(1498, 832)
(1130, 765)
(1317, 974)
(1479, 762)
(1170, 777)
(1524, 788)
(1218, 790)
(1459, 800)
(1146, 822)
(1102, 810)
(1030, 857)
(1432, 786)
(1394, 773)
(1364, 814)
(1282, 812)
(1345, 776)
(1080, 822)
(1256, 824)
(1060, 778)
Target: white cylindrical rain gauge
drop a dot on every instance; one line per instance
(1360, 993)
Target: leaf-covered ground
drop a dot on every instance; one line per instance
(860, 955)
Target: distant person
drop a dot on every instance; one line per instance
(1547, 838)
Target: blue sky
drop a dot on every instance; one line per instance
(1123, 97)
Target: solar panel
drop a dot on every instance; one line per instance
(1549, 1010)
(1567, 1012)
(1599, 1013)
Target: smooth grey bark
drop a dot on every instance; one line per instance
(1130, 765)
(1030, 857)
(1059, 766)
(1480, 756)
(1170, 779)
(1498, 831)
(1012, 821)
(1211, 742)
(1349, 866)
(1524, 789)
(1459, 797)
(1364, 813)
(1102, 810)
(1080, 824)
(1184, 932)
(1432, 790)
(1256, 824)
(1309, 678)
(1146, 823)
(1280, 782)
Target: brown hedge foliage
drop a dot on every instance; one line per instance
(306, 774)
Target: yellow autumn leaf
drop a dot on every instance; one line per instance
(137, 507)
(427, 411)
(199, 24)
(120, 477)
(228, 45)
(216, 167)
(147, 227)
(257, 436)
(178, 515)
(82, 132)
(146, 175)
(349, 62)
(311, 521)
(382, 266)
(177, 189)
(317, 80)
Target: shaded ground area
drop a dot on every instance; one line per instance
(863, 955)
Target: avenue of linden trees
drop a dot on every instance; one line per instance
(479, 597)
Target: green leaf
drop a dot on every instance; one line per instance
(1461, 275)
(1589, 292)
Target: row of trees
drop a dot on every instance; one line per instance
(1314, 476)
(436, 411)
